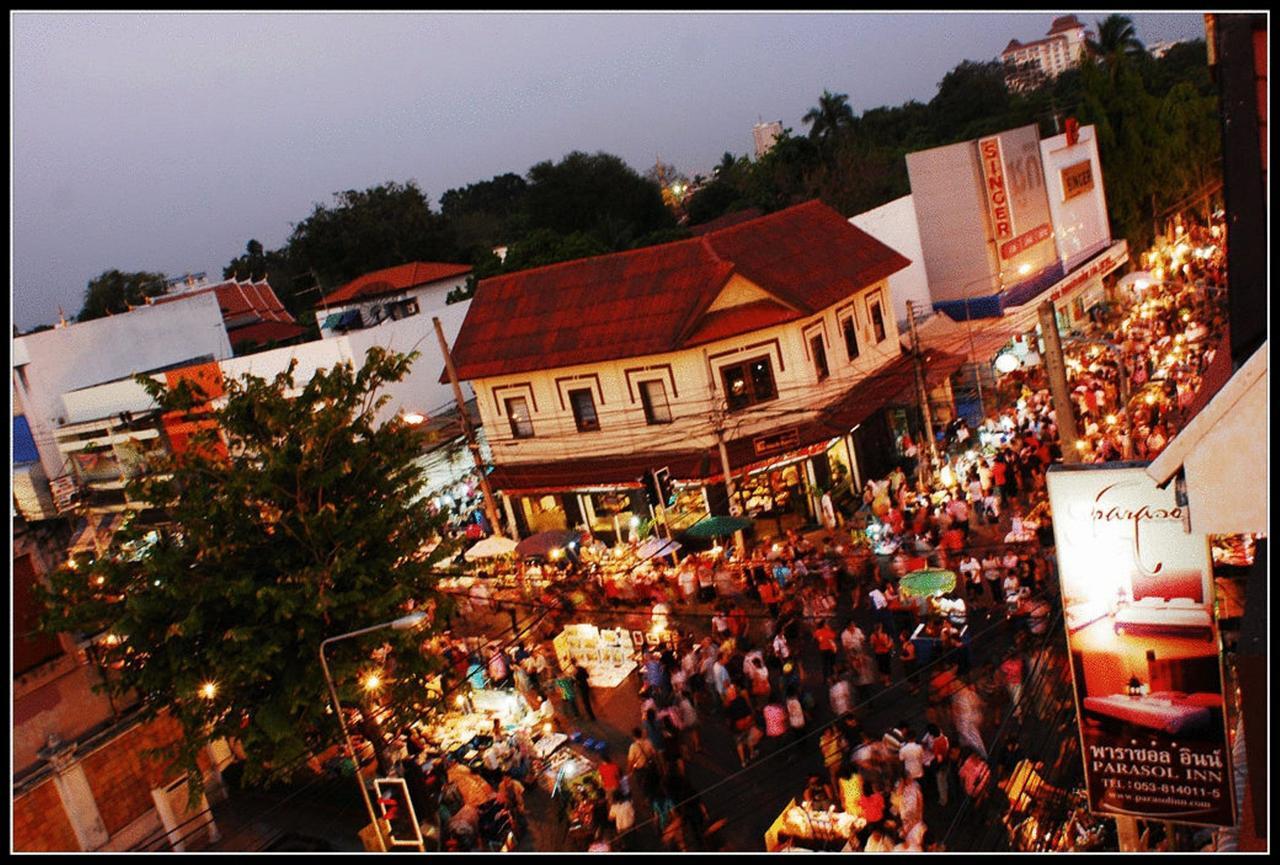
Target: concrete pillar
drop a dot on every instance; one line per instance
(76, 795)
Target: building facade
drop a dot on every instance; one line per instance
(776, 337)
(389, 295)
(763, 136)
(1062, 48)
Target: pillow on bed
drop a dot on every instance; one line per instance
(1210, 701)
(1184, 603)
(1149, 601)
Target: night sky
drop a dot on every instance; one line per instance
(165, 141)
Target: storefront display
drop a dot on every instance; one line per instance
(607, 654)
(801, 828)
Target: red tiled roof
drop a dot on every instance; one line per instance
(740, 319)
(239, 299)
(1066, 22)
(262, 332)
(653, 300)
(738, 216)
(892, 384)
(393, 279)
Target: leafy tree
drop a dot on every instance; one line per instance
(295, 285)
(970, 93)
(307, 523)
(1116, 39)
(831, 117)
(489, 213)
(113, 291)
(717, 198)
(370, 229)
(597, 195)
(543, 246)
(777, 179)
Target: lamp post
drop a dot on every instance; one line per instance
(404, 623)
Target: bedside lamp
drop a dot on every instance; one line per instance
(1135, 687)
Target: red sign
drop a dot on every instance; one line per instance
(997, 193)
(1023, 242)
(1073, 132)
(776, 443)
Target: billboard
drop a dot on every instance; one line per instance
(1146, 663)
(1016, 200)
(1077, 198)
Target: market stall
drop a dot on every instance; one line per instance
(607, 653)
(801, 828)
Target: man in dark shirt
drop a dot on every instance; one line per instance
(583, 678)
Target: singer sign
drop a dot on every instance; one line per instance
(996, 190)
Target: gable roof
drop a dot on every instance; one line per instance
(390, 280)
(239, 302)
(655, 300)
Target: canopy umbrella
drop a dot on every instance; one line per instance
(654, 546)
(543, 543)
(490, 548)
(1137, 276)
(926, 581)
(717, 527)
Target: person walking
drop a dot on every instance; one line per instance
(907, 654)
(583, 681)
(882, 647)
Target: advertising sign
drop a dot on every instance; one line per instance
(1023, 242)
(997, 195)
(396, 808)
(1077, 179)
(1137, 596)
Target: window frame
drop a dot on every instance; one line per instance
(818, 348)
(849, 327)
(875, 312)
(512, 417)
(650, 416)
(583, 423)
(752, 397)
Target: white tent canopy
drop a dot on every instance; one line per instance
(490, 548)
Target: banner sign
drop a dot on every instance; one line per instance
(1076, 179)
(996, 192)
(1146, 662)
(776, 442)
(1023, 242)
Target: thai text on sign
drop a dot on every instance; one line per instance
(996, 190)
(1025, 241)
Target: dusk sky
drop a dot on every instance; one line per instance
(165, 141)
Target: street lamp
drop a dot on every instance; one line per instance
(404, 623)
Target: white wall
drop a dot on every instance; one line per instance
(1080, 225)
(623, 428)
(894, 224)
(430, 296)
(67, 358)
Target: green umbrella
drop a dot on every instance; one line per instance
(717, 527)
(925, 582)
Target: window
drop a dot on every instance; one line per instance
(877, 320)
(402, 308)
(654, 396)
(850, 338)
(584, 410)
(819, 356)
(748, 383)
(518, 414)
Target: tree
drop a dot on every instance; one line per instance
(831, 117)
(307, 523)
(1116, 39)
(113, 291)
(968, 94)
(368, 230)
(595, 194)
(543, 246)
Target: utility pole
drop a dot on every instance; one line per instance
(1057, 370)
(490, 507)
(923, 391)
(735, 507)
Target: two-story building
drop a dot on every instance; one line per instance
(775, 336)
(390, 294)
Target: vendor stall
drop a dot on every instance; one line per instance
(607, 654)
(801, 828)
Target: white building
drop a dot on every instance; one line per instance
(1061, 49)
(388, 295)
(764, 135)
(894, 224)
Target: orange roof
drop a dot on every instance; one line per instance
(656, 299)
(393, 279)
(246, 300)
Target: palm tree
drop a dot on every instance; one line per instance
(829, 117)
(1116, 39)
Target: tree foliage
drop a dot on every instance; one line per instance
(830, 118)
(113, 291)
(307, 524)
(597, 195)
